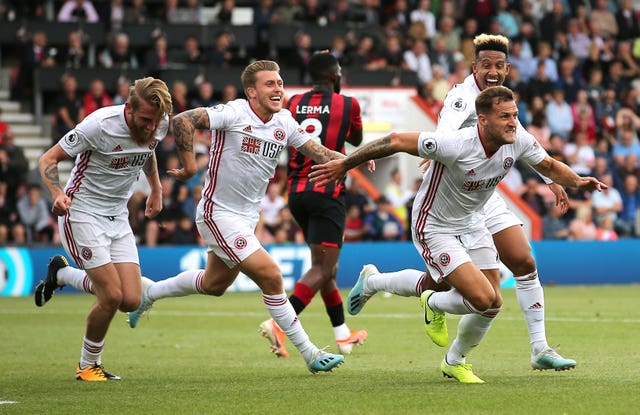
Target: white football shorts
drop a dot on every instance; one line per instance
(444, 253)
(94, 240)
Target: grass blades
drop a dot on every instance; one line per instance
(203, 355)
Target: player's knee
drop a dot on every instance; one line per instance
(214, 288)
(484, 301)
(111, 299)
(522, 264)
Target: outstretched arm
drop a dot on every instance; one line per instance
(382, 147)
(184, 126)
(564, 176)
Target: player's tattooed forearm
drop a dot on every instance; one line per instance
(184, 126)
(319, 153)
(374, 150)
(51, 173)
(151, 165)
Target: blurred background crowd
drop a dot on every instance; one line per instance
(575, 66)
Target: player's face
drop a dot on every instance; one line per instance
(143, 122)
(490, 69)
(502, 122)
(267, 95)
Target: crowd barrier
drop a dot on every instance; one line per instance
(558, 263)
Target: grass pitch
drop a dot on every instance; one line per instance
(203, 355)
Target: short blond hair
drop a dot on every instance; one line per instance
(153, 91)
(249, 75)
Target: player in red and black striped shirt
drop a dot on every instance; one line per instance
(320, 211)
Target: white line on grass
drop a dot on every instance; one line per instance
(175, 313)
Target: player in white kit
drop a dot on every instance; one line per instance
(111, 146)
(489, 69)
(453, 240)
(248, 138)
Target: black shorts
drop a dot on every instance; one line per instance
(320, 216)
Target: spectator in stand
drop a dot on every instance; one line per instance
(627, 21)
(159, 230)
(605, 230)
(70, 107)
(630, 66)
(440, 55)
(35, 55)
(447, 31)
(617, 78)
(392, 53)
(540, 85)
(559, 116)
(629, 168)
(263, 16)
(136, 13)
(580, 155)
(356, 195)
(354, 225)
(606, 19)
(314, 12)
(119, 55)
(556, 148)
(156, 58)
(122, 91)
(179, 97)
(554, 226)
(78, 11)
(526, 65)
(608, 203)
(627, 144)
(11, 230)
(417, 60)
(422, 13)
(96, 97)
(545, 54)
(75, 56)
(569, 79)
(18, 165)
(606, 110)
(205, 96)
(532, 196)
(439, 83)
(191, 53)
(539, 129)
(270, 207)
(600, 168)
(4, 127)
(35, 216)
(553, 21)
(364, 55)
(578, 40)
(582, 227)
(628, 217)
(382, 224)
(581, 110)
(229, 93)
(467, 47)
(397, 196)
(288, 230)
(221, 55)
(505, 15)
(482, 10)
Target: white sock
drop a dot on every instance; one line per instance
(90, 354)
(185, 283)
(531, 300)
(451, 302)
(471, 330)
(407, 283)
(285, 316)
(342, 331)
(77, 278)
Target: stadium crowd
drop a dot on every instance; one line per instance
(575, 66)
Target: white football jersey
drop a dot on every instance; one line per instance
(462, 177)
(459, 110)
(108, 161)
(244, 154)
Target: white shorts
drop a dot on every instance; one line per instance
(229, 236)
(444, 253)
(94, 240)
(497, 216)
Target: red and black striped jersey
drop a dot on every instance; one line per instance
(328, 116)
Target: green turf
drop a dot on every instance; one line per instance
(201, 355)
